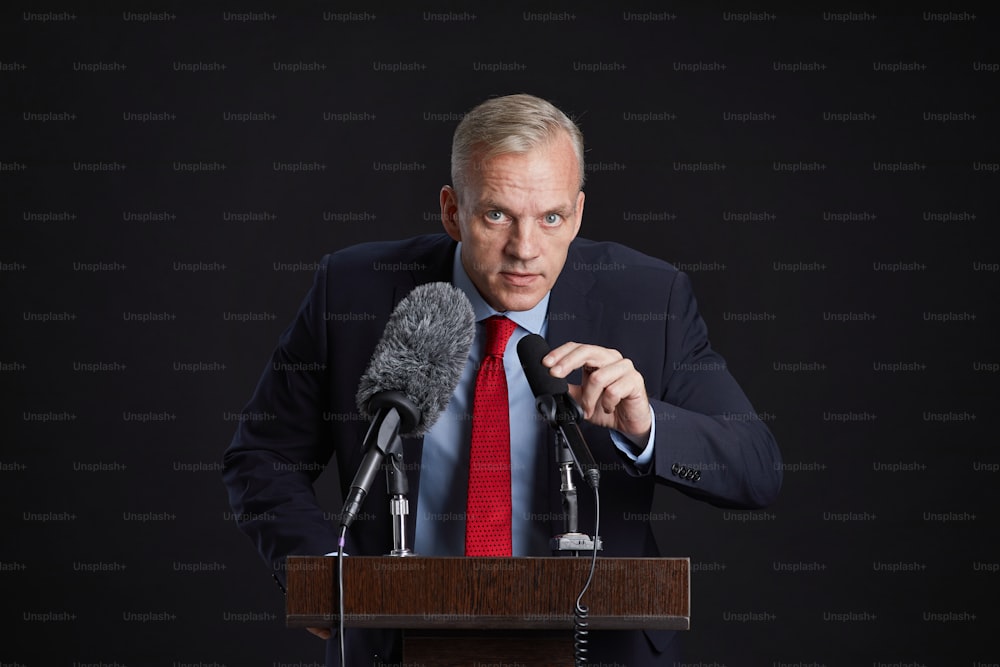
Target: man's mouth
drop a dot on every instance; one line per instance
(519, 279)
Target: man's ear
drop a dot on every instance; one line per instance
(449, 212)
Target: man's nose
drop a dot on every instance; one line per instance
(523, 240)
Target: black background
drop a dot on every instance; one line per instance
(118, 543)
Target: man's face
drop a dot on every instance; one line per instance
(515, 218)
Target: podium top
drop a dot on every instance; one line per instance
(488, 593)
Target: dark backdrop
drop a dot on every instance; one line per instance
(828, 178)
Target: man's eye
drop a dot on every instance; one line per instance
(552, 218)
(494, 216)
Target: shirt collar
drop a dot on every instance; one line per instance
(532, 320)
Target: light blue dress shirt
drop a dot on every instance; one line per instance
(444, 469)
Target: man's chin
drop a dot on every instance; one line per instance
(516, 301)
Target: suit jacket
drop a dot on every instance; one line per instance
(709, 441)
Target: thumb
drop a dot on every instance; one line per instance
(576, 393)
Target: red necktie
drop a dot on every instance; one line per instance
(487, 526)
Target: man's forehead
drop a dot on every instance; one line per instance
(510, 199)
(515, 193)
(537, 168)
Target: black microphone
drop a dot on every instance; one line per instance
(555, 404)
(411, 376)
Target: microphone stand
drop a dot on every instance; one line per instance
(571, 540)
(398, 486)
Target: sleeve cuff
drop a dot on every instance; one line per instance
(645, 457)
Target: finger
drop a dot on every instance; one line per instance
(576, 393)
(555, 359)
(568, 357)
(626, 398)
(604, 388)
(618, 392)
(600, 404)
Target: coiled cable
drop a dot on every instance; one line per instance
(581, 632)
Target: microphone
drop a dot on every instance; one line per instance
(411, 376)
(555, 404)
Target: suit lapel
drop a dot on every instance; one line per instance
(572, 314)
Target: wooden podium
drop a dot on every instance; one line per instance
(488, 609)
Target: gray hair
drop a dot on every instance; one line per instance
(511, 124)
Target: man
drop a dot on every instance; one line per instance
(659, 403)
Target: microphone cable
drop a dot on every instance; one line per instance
(580, 624)
(340, 593)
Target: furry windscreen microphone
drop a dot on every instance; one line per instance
(422, 352)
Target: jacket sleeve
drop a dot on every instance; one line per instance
(282, 443)
(709, 441)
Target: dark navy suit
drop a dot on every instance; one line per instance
(709, 442)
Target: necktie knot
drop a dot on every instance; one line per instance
(498, 332)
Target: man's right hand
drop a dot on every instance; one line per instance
(322, 633)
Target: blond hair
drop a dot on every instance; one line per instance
(511, 124)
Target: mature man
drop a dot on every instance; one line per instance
(624, 327)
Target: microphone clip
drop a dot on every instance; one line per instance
(563, 414)
(395, 415)
(548, 407)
